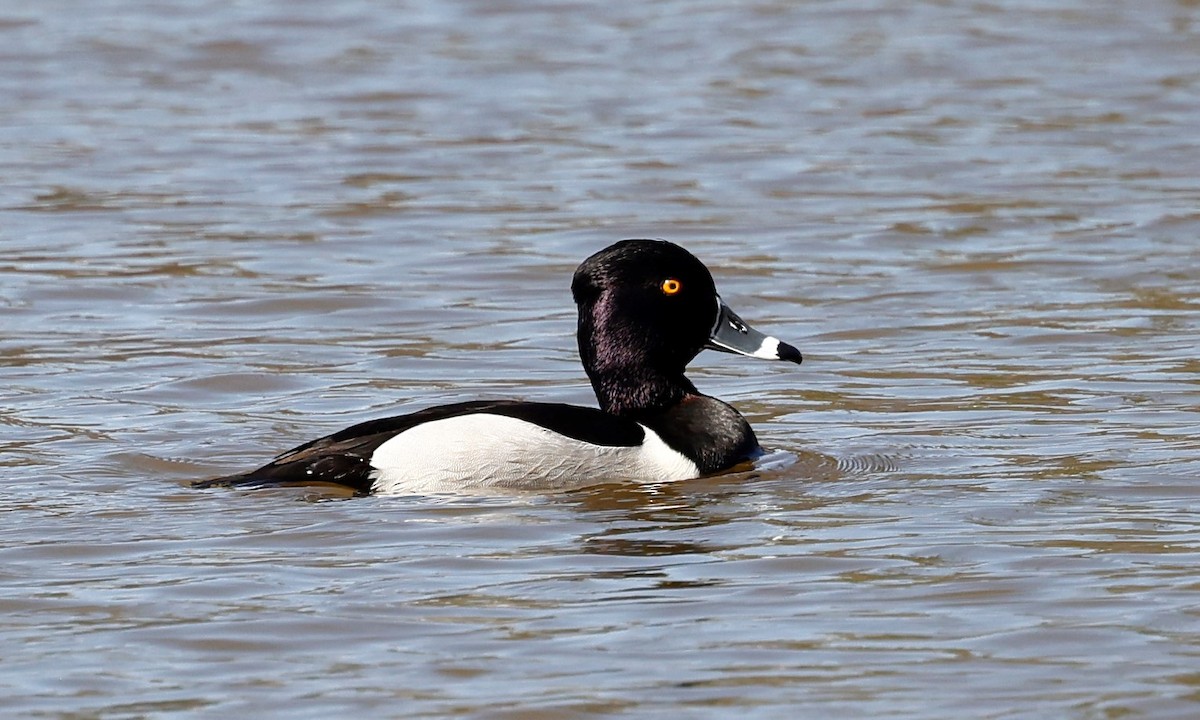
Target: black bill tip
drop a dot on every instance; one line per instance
(789, 353)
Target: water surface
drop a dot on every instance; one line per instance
(229, 228)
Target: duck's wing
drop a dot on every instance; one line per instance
(344, 458)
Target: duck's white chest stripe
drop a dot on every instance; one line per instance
(481, 450)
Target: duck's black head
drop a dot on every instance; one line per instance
(646, 308)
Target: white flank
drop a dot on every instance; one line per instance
(479, 451)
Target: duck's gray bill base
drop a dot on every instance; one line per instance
(731, 334)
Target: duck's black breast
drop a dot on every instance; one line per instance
(708, 431)
(345, 457)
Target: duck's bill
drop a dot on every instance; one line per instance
(731, 334)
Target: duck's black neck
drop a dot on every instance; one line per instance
(637, 391)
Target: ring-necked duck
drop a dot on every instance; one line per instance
(646, 308)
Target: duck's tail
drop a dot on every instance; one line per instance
(241, 480)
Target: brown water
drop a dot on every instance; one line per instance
(227, 228)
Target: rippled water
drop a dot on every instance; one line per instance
(228, 228)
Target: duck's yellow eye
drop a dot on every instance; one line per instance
(670, 286)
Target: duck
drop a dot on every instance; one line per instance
(646, 309)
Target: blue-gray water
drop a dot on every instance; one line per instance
(227, 228)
